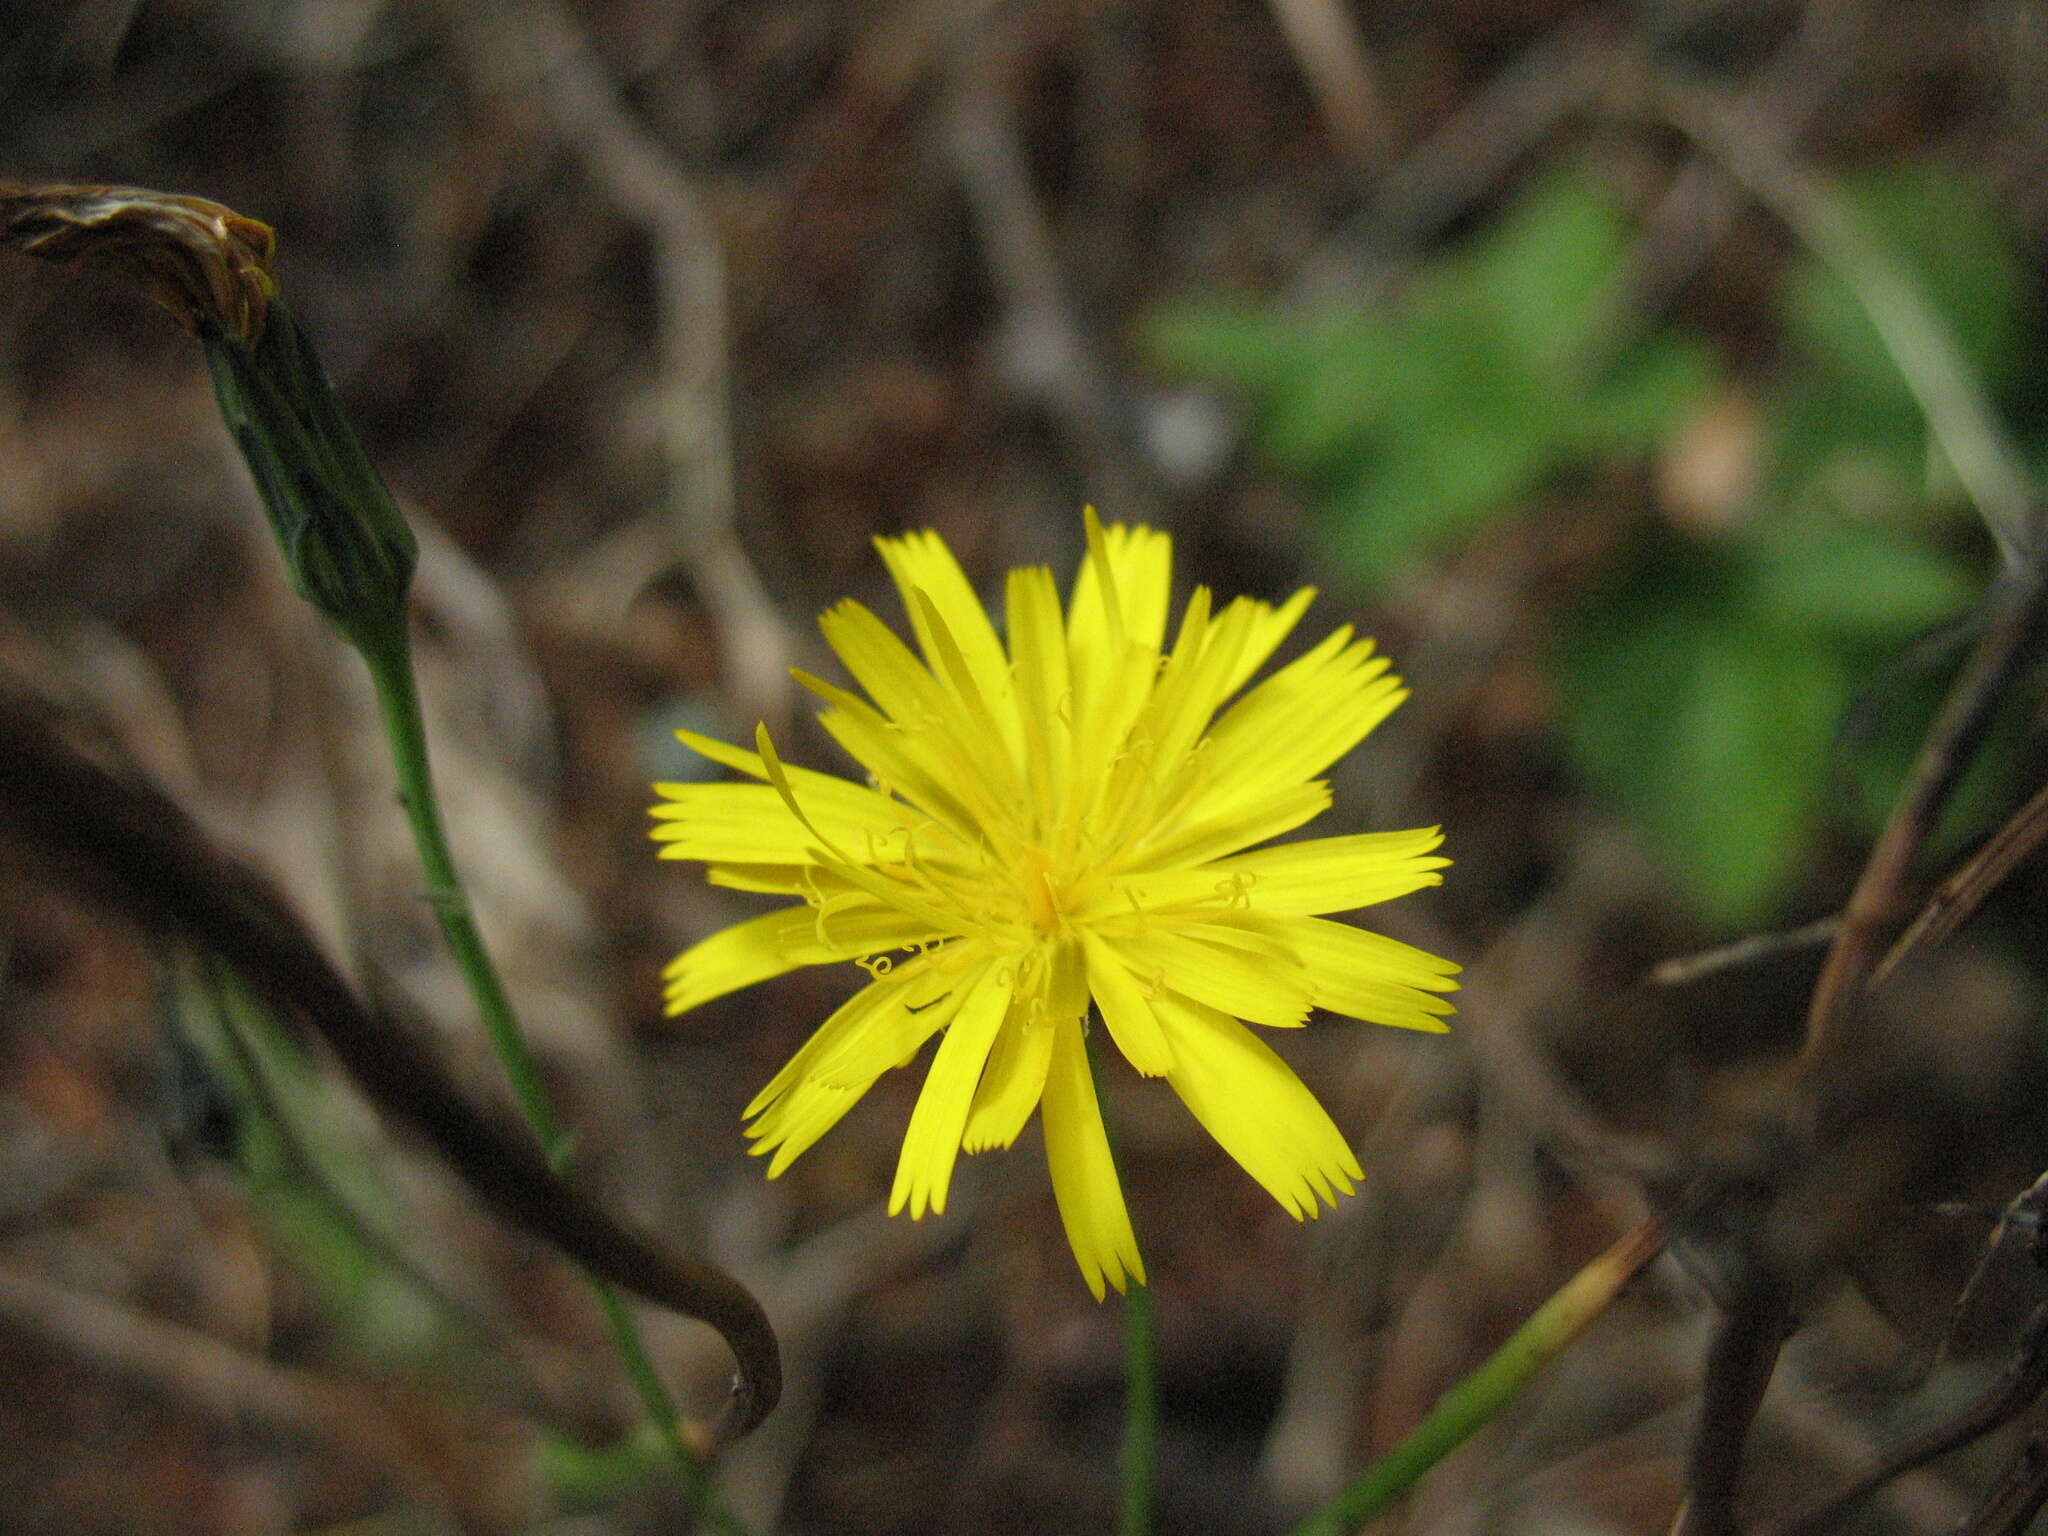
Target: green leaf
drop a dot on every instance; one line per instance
(1849, 405)
(1247, 344)
(1545, 270)
(1866, 584)
(1642, 396)
(1422, 419)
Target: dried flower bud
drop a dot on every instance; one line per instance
(208, 265)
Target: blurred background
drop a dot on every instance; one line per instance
(1583, 353)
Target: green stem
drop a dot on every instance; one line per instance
(1138, 1453)
(398, 697)
(389, 658)
(1484, 1392)
(1137, 1457)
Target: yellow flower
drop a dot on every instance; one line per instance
(1053, 823)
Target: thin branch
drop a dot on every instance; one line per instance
(538, 47)
(129, 846)
(1739, 1366)
(2014, 615)
(1049, 358)
(2024, 1379)
(1683, 970)
(1959, 896)
(1958, 412)
(1325, 42)
(1455, 167)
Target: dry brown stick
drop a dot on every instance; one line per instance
(1739, 1365)
(1959, 896)
(533, 45)
(1325, 42)
(1684, 970)
(129, 846)
(1050, 360)
(1961, 421)
(2013, 617)
(1702, 203)
(2024, 1380)
(1761, 1313)
(1958, 415)
(193, 1367)
(1454, 168)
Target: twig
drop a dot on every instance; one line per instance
(2014, 614)
(1739, 1365)
(1452, 169)
(129, 846)
(1683, 970)
(1958, 413)
(537, 46)
(1333, 60)
(1049, 359)
(2023, 1380)
(1959, 896)
(1702, 203)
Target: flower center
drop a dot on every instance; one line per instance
(1045, 903)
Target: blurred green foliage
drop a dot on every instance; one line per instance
(1420, 422)
(308, 1179)
(1703, 677)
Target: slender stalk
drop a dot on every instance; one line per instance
(398, 698)
(1474, 1401)
(1137, 1457)
(389, 659)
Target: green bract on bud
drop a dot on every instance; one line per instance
(349, 551)
(345, 543)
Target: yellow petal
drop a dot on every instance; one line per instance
(1298, 722)
(1257, 1109)
(1269, 628)
(1011, 1083)
(795, 1108)
(931, 1145)
(1260, 988)
(1084, 1181)
(1359, 973)
(921, 562)
(821, 794)
(1335, 874)
(1195, 678)
(846, 1021)
(1183, 843)
(932, 988)
(1038, 657)
(1125, 1008)
(926, 772)
(954, 727)
(776, 942)
(750, 824)
(992, 718)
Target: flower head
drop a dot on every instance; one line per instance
(1053, 823)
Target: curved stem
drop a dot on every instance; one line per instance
(389, 658)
